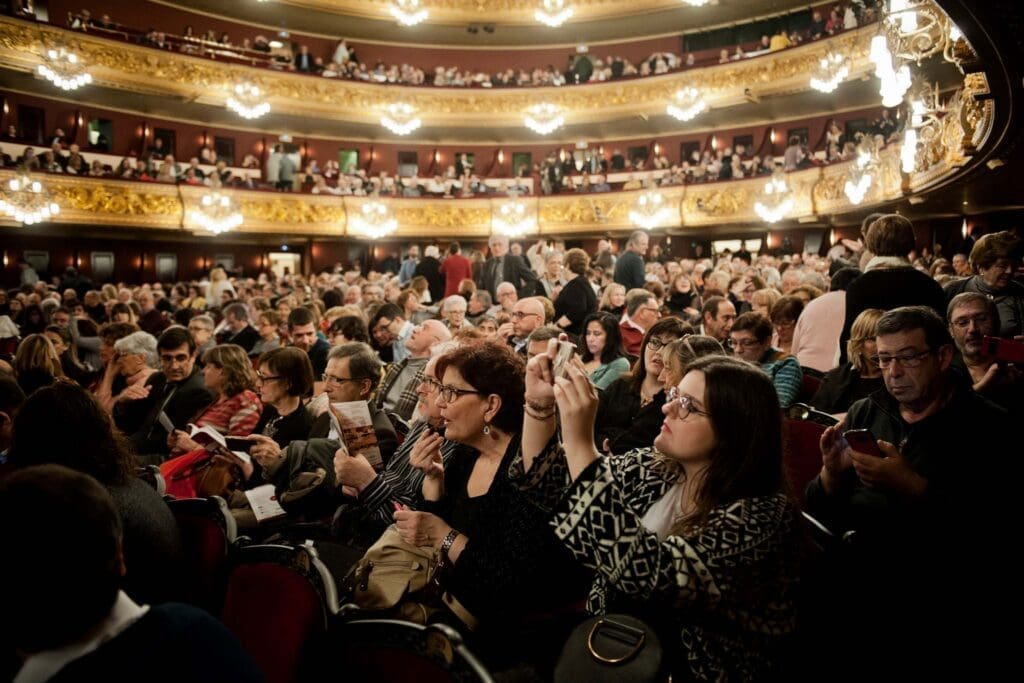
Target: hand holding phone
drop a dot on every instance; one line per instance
(562, 355)
(863, 441)
(238, 443)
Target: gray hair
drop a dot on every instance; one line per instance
(204, 320)
(363, 362)
(240, 311)
(484, 297)
(635, 237)
(454, 302)
(496, 239)
(139, 343)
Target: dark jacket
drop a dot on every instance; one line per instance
(889, 288)
(622, 421)
(629, 270)
(181, 402)
(246, 338)
(842, 387)
(576, 301)
(514, 270)
(430, 268)
(318, 357)
(1009, 302)
(152, 545)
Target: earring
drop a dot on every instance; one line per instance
(487, 429)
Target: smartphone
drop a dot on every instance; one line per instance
(237, 443)
(864, 441)
(562, 356)
(1004, 350)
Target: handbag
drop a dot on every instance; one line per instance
(390, 571)
(198, 474)
(614, 648)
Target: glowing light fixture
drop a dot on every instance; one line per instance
(895, 80)
(544, 118)
(650, 210)
(553, 13)
(63, 68)
(833, 69)
(513, 219)
(778, 199)
(408, 12)
(688, 103)
(246, 101)
(216, 213)
(400, 118)
(26, 201)
(375, 220)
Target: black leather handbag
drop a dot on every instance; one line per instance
(615, 648)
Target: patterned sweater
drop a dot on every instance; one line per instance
(728, 588)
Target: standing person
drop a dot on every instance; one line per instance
(629, 268)
(408, 268)
(577, 299)
(28, 275)
(503, 267)
(430, 268)
(272, 173)
(455, 269)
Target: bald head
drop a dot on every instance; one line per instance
(425, 335)
(527, 315)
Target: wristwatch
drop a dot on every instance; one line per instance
(446, 544)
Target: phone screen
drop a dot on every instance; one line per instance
(864, 441)
(238, 444)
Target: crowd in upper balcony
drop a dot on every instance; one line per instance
(280, 53)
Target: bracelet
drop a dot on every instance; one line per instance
(540, 407)
(446, 544)
(539, 416)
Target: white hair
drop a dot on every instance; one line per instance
(431, 251)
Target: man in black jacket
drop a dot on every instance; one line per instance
(503, 267)
(629, 268)
(237, 329)
(178, 391)
(930, 504)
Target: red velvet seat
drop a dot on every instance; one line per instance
(809, 387)
(207, 533)
(801, 453)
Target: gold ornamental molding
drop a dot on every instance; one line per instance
(144, 70)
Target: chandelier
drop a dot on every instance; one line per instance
(400, 118)
(246, 101)
(832, 70)
(650, 210)
(25, 201)
(924, 124)
(553, 13)
(778, 199)
(696, 3)
(63, 69)
(688, 103)
(216, 213)
(408, 12)
(375, 220)
(543, 118)
(895, 78)
(512, 219)
(864, 167)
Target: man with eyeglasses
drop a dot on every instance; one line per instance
(527, 315)
(922, 513)
(972, 317)
(397, 391)
(177, 391)
(641, 312)
(390, 329)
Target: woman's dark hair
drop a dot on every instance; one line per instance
(111, 332)
(85, 441)
(992, 247)
(492, 368)
(236, 366)
(332, 297)
(787, 309)
(33, 319)
(746, 461)
(612, 338)
(670, 325)
(352, 327)
(293, 366)
(577, 261)
(756, 324)
(891, 235)
(122, 308)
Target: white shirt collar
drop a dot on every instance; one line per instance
(43, 666)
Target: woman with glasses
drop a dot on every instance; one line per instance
(500, 559)
(284, 378)
(630, 410)
(751, 340)
(860, 376)
(601, 349)
(784, 315)
(995, 258)
(694, 532)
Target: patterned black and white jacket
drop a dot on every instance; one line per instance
(728, 588)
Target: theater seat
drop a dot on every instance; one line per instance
(152, 476)
(391, 651)
(809, 387)
(278, 602)
(801, 454)
(208, 532)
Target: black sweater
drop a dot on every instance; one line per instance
(576, 301)
(622, 421)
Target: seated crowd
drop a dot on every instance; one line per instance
(649, 475)
(344, 61)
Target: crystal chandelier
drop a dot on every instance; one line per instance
(688, 103)
(63, 69)
(650, 210)
(895, 79)
(862, 173)
(408, 12)
(924, 124)
(216, 213)
(553, 13)
(833, 69)
(375, 220)
(400, 118)
(543, 118)
(778, 199)
(25, 201)
(512, 219)
(696, 3)
(246, 101)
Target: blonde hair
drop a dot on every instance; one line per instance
(36, 352)
(606, 296)
(765, 297)
(864, 328)
(238, 372)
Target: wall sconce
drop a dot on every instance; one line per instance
(657, 148)
(714, 142)
(437, 157)
(501, 157)
(771, 136)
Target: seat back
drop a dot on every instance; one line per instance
(809, 386)
(278, 601)
(208, 532)
(152, 476)
(391, 651)
(801, 453)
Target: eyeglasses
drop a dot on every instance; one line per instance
(519, 315)
(430, 384)
(652, 309)
(906, 360)
(979, 320)
(745, 343)
(329, 378)
(655, 344)
(261, 378)
(450, 394)
(682, 404)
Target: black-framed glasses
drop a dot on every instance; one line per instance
(450, 394)
(656, 344)
(906, 360)
(519, 315)
(682, 404)
(261, 378)
(743, 343)
(329, 378)
(430, 384)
